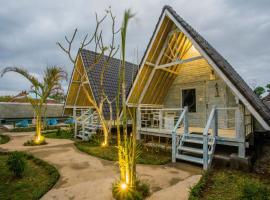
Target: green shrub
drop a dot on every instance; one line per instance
(4, 139)
(33, 128)
(16, 164)
(58, 132)
(96, 139)
(255, 191)
(141, 191)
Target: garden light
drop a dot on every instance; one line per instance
(123, 186)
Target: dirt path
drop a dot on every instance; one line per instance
(88, 177)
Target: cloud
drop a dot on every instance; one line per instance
(239, 30)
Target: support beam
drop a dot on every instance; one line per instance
(178, 62)
(169, 70)
(74, 118)
(152, 73)
(138, 116)
(240, 131)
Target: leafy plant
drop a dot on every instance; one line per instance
(4, 139)
(16, 164)
(259, 91)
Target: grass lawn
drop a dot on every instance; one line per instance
(233, 185)
(148, 155)
(59, 135)
(4, 139)
(38, 178)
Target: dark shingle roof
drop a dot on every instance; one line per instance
(110, 77)
(266, 98)
(221, 62)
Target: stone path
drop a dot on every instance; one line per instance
(88, 177)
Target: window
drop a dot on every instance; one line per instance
(189, 99)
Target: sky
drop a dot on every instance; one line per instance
(238, 29)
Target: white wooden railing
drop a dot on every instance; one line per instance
(220, 119)
(183, 118)
(159, 119)
(85, 115)
(212, 121)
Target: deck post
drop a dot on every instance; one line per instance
(160, 120)
(215, 124)
(186, 125)
(173, 146)
(205, 152)
(240, 133)
(138, 122)
(75, 120)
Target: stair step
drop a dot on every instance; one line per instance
(196, 141)
(90, 127)
(85, 132)
(190, 149)
(189, 158)
(80, 136)
(194, 135)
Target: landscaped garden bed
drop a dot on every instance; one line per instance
(33, 128)
(148, 155)
(229, 184)
(60, 134)
(36, 177)
(4, 139)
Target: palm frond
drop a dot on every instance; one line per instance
(34, 81)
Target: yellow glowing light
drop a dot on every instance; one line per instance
(123, 186)
(103, 144)
(193, 48)
(39, 139)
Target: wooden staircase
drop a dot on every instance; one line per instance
(88, 124)
(191, 148)
(194, 147)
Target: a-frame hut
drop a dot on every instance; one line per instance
(186, 90)
(87, 72)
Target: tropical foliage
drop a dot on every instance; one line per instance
(259, 90)
(50, 85)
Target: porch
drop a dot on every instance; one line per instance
(225, 126)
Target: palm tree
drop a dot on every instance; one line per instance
(50, 85)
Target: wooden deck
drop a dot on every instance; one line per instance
(224, 133)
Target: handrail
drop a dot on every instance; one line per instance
(212, 116)
(181, 118)
(166, 109)
(84, 114)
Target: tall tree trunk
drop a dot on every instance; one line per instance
(38, 126)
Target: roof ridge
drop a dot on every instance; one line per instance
(90, 51)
